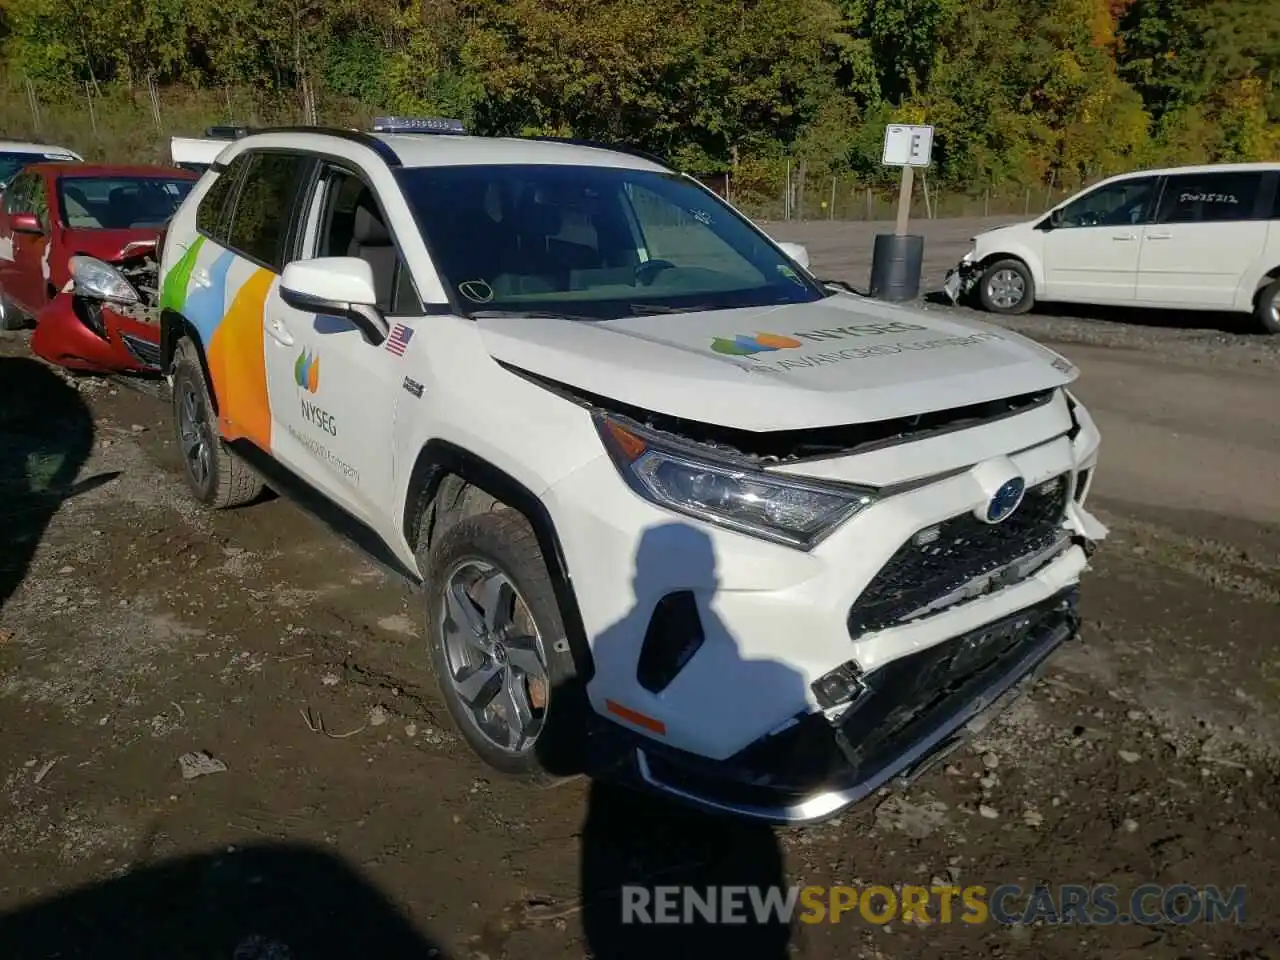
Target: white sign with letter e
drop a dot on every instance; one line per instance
(907, 145)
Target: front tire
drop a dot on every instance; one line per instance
(214, 475)
(1267, 309)
(1007, 288)
(497, 645)
(10, 317)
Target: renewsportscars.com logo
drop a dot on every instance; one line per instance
(306, 371)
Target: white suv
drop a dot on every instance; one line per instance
(1187, 238)
(681, 513)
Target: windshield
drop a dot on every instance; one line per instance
(11, 164)
(594, 242)
(119, 203)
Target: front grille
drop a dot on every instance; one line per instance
(143, 351)
(905, 701)
(941, 559)
(907, 695)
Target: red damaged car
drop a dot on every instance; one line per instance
(78, 255)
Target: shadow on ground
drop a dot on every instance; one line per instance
(269, 902)
(46, 436)
(639, 848)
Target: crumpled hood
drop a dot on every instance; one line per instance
(843, 360)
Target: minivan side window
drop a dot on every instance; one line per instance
(211, 213)
(1126, 203)
(264, 207)
(1210, 197)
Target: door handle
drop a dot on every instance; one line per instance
(1159, 236)
(279, 332)
(1124, 236)
(200, 277)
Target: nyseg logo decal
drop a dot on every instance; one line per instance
(306, 373)
(745, 346)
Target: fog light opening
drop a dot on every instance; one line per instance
(841, 687)
(674, 635)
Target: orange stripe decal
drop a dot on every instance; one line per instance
(237, 360)
(639, 719)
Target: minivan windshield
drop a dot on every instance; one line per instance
(593, 242)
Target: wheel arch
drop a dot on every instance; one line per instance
(446, 474)
(173, 327)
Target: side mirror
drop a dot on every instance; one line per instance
(25, 223)
(336, 287)
(797, 252)
(93, 279)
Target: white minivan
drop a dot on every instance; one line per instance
(1189, 238)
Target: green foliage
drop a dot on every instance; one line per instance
(1023, 91)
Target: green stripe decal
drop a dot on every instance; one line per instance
(173, 292)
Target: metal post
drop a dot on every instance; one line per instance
(904, 199)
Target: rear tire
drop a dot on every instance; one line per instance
(1267, 310)
(215, 476)
(1007, 288)
(490, 549)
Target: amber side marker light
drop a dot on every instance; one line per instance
(635, 717)
(629, 445)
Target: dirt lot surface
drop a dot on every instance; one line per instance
(345, 819)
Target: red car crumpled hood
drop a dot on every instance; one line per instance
(108, 245)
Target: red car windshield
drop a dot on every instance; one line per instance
(119, 203)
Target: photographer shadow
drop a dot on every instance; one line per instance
(634, 844)
(263, 902)
(46, 437)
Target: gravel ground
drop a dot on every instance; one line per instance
(341, 817)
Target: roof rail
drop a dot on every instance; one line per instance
(377, 145)
(599, 145)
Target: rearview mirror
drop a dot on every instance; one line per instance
(797, 252)
(336, 287)
(25, 223)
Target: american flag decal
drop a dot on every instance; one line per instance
(398, 342)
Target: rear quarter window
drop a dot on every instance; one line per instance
(1210, 198)
(212, 210)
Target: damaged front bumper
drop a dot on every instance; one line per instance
(962, 280)
(906, 717)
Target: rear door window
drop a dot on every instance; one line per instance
(1210, 198)
(260, 227)
(211, 214)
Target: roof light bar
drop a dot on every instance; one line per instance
(226, 132)
(417, 125)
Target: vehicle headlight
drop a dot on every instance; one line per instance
(100, 281)
(792, 512)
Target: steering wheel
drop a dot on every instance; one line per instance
(648, 271)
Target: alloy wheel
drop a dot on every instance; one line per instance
(494, 656)
(1006, 289)
(196, 448)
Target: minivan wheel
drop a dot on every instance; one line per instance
(214, 475)
(1267, 310)
(497, 643)
(1007, 287)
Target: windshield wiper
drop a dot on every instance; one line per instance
(530, 315)
(641, 309)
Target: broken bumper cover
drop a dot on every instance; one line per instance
(910, 714)
(961, 280)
